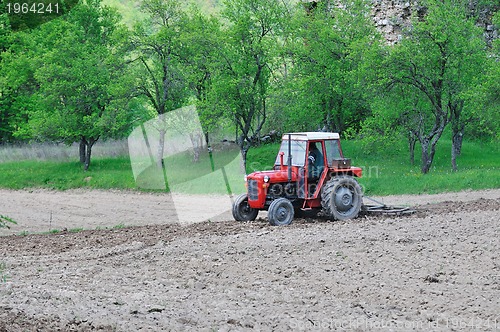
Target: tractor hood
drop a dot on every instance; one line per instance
(274, 176)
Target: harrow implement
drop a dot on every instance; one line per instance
(377, 207)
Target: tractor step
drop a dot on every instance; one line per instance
(381, 208)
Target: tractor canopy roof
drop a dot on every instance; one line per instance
(311, 136)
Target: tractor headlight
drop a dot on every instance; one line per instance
(245, 178)
(266, 179)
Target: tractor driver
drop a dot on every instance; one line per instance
(316, 163)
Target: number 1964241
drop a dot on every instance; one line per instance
(34, 8)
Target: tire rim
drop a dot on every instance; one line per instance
(344, 199)
(282, 214)
(245, 210)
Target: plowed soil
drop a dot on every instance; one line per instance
(437, 269)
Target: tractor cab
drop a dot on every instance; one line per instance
(312, 153)
(305, 165)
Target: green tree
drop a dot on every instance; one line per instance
(438, 62)
(158, 49)
(489, 124)
(467, 71)
(201, 37)
(5, 28)
(5, 34)
(248, 59)
(335, 48)
(17, 83)
(79, 74)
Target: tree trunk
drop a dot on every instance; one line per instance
(412, 140)
(161, 146)
(207, 139)
(87, 157)
(209, 148)
(88, 154)
(197, 143)
(428, 151)
(426, 161)
(244, 151)
(82, 150)
(196, 154)
(456, 148)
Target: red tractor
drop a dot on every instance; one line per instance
(309, 174)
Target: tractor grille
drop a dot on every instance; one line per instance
(253, 190)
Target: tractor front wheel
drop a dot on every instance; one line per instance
(242, 211)
(280, 212)
(341, 198)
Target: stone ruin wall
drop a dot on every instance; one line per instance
(392, 16)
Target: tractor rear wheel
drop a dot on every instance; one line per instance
(280, 212)
(242, 211)
(341, 197)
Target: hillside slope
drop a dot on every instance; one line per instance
(390, 16)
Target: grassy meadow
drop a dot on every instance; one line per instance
(385, 173)
(391, 173)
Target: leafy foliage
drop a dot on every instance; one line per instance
(331, 53)
(489, 94)
(248, 60)
(250, 67)
(72, 80)
(429, 73)
(202, 37)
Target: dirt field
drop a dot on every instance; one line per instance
(435, 270)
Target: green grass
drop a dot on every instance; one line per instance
(103, 174)
(116, 173)
(185, 176)
(478, 168)
(384, 173)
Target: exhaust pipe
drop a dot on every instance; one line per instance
(289, 158)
